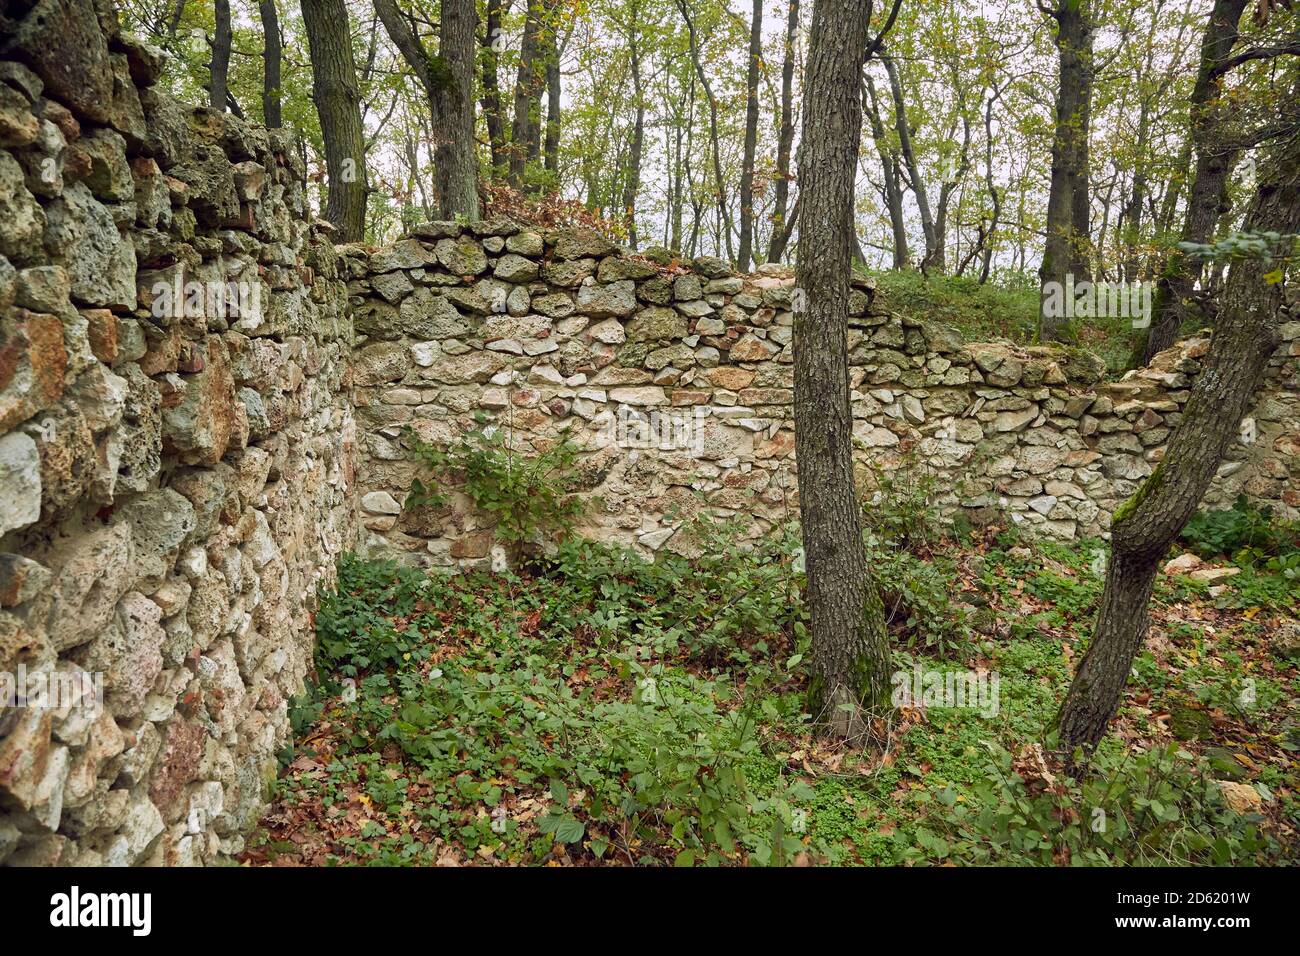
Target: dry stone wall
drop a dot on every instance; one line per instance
(676, 378)
(203, 402)
(175, 450)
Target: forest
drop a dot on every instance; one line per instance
(650, 433)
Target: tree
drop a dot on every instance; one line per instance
(1146, 525)
(338, 103)
(448, 83)
(270, 63)
(1067, 200)
(1214, 162)
(491, 99)
(850, 653)
(785, 142)
(751, 138)
(219, 81)
(526, 128)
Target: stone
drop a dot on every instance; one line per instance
(515, 268)
(100, 263)
(20, 477)
(1241, 798)
(462, 257)
(199, 419)
(616, 299)
(1183, 564)
(380, 503)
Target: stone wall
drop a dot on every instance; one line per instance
(174, 479)
(178, 472)
(546, 331)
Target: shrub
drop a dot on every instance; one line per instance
(528, 496)
(1246, 532)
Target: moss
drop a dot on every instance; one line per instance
(1125, 511)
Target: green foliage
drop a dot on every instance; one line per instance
(1007, 308)
(1247, 533)
(528, 496)
(1156, 809)
(549, 686)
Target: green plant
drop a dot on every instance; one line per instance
(527, 496)
(1156, 808)
(1246, 532)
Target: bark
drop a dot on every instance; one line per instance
(338, 103)
(528, 87)
(456, 161)
(448, 83)
(785, 141)
(491, 100)
(1147, 524)
(745, 252)
(1061, 250)
(1214, 162)
(270, 63)
(850, 655)
(219, 67)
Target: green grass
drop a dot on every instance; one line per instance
(1003, 308)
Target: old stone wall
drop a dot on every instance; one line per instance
(677, 380)
(197, 387)
(175, 449)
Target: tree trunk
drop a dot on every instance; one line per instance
(1147, 524)
(491, 101)
(933, 253)
(893, 187)
(785, 142)
(850, 655)
(338, 103)
(528, 84)
(219, 67)
(745, 253)
(720, 186)
(448, 83)
(270, 63)
(1214, 164)
(453, 127)
(551, 147)
(1069, 160)
(632, 183)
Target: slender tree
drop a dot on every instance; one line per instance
(448, 83)
(271, 57)
(219, 67)
(1147, 524)
(338, 103)
(1067, 194)
(785, 139)
(745, 252)
(850, 653)
(1214, 162)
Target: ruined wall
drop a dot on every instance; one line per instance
(175, 448)
(542, 331)
(178, 375)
